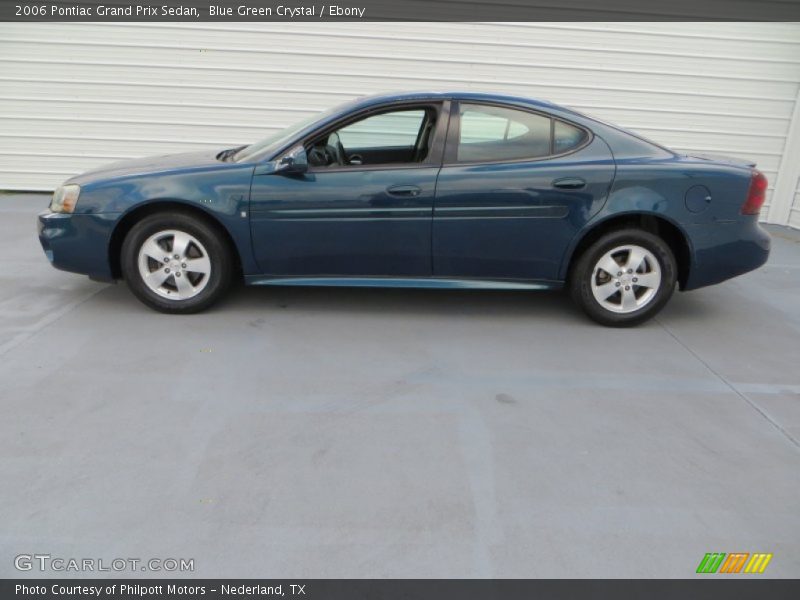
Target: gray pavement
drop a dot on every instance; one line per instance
(394, 433)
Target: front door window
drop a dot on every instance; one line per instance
(388, 138)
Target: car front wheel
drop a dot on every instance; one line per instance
(176, 263)
(624, 278)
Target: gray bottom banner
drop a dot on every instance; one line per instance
(410, 589)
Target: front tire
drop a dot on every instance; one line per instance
(624, 278)
(176, 263)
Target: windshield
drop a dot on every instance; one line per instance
(270, 144)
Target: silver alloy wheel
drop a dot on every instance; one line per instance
(626, 279)
(174, 264)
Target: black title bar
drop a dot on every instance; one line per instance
(399, 10)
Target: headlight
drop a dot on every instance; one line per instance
(65, 198)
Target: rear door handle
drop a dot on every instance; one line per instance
(403, 190)
(569, 183)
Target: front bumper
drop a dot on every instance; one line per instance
(723, 251)
(77, 243)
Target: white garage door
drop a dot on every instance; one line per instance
(794, 218)
(73, 96)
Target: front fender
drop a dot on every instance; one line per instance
(222, 193)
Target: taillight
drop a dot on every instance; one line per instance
(756, 194)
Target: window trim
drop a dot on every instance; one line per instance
(435, 154)
(454, 134)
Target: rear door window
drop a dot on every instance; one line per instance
(492, 133)
(496, 134)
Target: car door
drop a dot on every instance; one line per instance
(367, 215)
(515, 188)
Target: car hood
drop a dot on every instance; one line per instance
(151, 165)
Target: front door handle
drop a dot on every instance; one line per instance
(569, 183)
(403, 190)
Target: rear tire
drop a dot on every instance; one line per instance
(624, 278)
(176, 263)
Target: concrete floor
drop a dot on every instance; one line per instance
(395, 433)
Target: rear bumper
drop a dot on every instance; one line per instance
(77, 243)
(723, 251)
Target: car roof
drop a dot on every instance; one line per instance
(365, 101)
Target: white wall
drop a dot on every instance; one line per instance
(73, 96)
(794, 216)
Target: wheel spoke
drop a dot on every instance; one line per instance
(185, 289)
(648, 280)
(154, 251)
(180, 242)
(606, 290)
(198, 265)
(628, 299)
(157, 278)
(609, 265)
(635, 258)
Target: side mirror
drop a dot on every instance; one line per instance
(293, 162)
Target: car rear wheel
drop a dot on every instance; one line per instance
(624, 278)
(176, 263)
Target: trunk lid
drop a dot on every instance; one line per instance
(726, 160)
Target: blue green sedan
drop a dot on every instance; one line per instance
(435, 190)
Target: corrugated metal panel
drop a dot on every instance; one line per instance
(75, 95)
(786, 207)
(794, 214)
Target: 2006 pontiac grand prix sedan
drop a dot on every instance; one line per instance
(454, 190)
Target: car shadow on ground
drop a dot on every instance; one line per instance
(546, 306)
